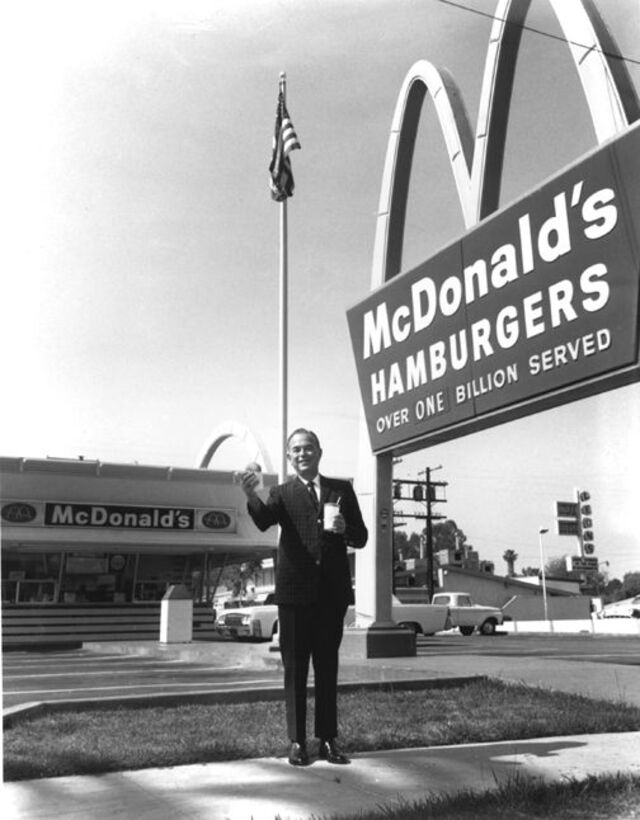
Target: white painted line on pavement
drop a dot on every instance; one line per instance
(44, 662)
(112, 672)
(231, 685)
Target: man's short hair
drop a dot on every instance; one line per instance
(304, 431)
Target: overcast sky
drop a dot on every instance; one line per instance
(140, 305)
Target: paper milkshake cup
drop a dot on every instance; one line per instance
(329, 516)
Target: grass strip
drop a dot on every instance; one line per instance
(605, 797)
(94, 741)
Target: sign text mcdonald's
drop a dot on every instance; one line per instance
(538, 302)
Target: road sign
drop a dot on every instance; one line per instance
(566, 509)
(567, 526)
(581, 563)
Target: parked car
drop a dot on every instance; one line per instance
(469, 616)
(629, 608)
(254, 619)
(423, 619)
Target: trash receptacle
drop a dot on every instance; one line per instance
(176, 615)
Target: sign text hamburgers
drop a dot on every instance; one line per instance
(541, 296)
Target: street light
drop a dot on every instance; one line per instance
(541, 532)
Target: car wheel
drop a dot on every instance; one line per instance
(488, 627)
(413, 627)
(466, 630)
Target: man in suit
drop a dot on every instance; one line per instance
(313, 585)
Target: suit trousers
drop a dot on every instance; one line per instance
(312, 631)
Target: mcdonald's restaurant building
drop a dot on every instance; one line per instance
(90, 548)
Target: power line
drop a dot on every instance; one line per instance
(542, 33)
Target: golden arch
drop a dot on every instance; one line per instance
(477, 161)
(256, 451)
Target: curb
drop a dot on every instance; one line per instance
(14, 714)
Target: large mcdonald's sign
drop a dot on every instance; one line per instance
(537, 300)
(537, 304)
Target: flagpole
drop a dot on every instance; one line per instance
(283, 319)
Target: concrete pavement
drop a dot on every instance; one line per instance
(266, 788)
(615, 682)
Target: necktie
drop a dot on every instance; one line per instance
(314, 548)
(312, 492)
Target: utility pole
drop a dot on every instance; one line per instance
(430, 499)
(422, 491)
(429, 555)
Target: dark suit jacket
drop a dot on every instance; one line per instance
(312, 564)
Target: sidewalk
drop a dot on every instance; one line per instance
(264, 788)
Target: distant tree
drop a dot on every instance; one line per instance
(600, 583)
(448, 536)
(530, 572)
(405, 546)
(400, 540)
(237, 577)
(557, 567)
(510, 556)
(630, 584)
(612, 591)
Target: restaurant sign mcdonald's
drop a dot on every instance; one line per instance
(535, 306)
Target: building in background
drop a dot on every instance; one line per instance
(82, 539)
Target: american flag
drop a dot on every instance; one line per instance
(285, 140)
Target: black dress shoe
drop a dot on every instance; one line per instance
(330, 752)
(298, 755)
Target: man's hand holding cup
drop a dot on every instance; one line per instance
(333, 520)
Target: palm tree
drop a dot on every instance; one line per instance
(510, 557)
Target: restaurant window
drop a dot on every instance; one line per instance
(97, 578)
(30, 578)
(156, 573)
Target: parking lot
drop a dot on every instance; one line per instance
(82, 674)
(86, 675)
(579, 648)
